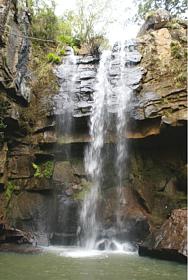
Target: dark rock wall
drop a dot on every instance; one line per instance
(42, 172)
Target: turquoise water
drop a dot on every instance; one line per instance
(75, 265)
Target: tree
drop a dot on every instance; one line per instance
(174, 7)
(44, 21)
(90, 19)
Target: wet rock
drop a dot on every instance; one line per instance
(133, 57)
(34, 213)
(89, 59)
(20, 167)
(14, 52)
(133, 216)
(63, 172)
(13, 235)
(20, 249)
(3, 158)
(65, 229)
(85, 75)
(170, 241)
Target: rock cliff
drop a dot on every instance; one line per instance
(169, 242)
(40, 186)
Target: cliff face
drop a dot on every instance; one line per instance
(41, 188)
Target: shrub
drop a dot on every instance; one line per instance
(45, 22)
(48, 171)
(37, 170)
(176, 49)
(53, 58)
(66, 40)
(76, 50)
(62, 52)
(43, 171)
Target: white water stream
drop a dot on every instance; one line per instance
(110, 102)
(107, 95)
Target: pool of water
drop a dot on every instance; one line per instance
(58, 263)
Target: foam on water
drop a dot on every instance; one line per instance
(79, 252)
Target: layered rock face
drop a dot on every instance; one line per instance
(43, 180)
(169, 242)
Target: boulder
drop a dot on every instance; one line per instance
(170, 241)
(13, 235)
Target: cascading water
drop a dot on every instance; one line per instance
(113, 89)
(67, 73)
(93, 157)
(123, 97)
(112, 95)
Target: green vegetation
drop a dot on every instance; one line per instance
(37, 168)
(182, 77)
(62, 52)
(44, 170)
(9, 190)
(48, 169)
(45, 81)
(174, 7)
(44, 21)
(176, 49)
(178, 85)
(52, 57)
(172, 25)
(74, 28)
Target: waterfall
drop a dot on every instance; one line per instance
(93, 156)
(117, 77)
(123, 97)
(64, 101)
(111, 97)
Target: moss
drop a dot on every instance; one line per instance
(176, 49)
(10, 187)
